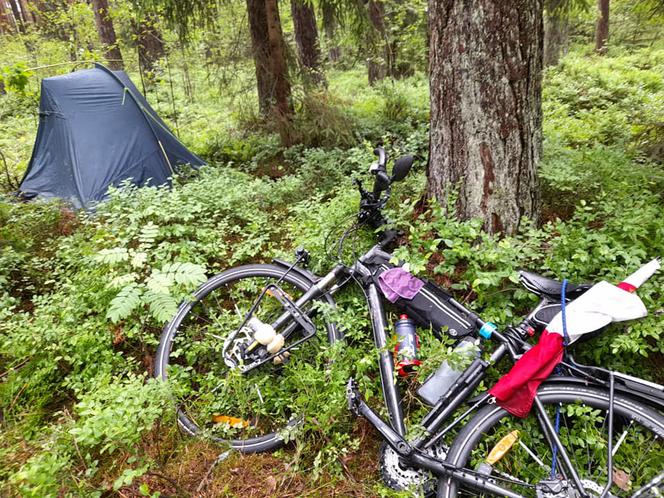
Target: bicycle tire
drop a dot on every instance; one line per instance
(163, 359)
(483, 425)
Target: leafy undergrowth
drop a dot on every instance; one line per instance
(83, 297)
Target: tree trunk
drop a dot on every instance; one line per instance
(18, 19)
(27, 12)
(260, 44)
(282, 111)
(107, 34)
(486, 117)
(306, 39)
(330, 27)
(602, 31)
(6, 25)
(556, 33)
(269, 53)
(379, 60)
(149, 43)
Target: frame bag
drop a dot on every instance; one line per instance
(431, 308)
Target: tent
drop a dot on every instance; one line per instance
(97, 130)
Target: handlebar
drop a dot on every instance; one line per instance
(373, 202)
(379, 170)
(382, 157)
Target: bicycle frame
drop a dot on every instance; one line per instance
(414, 453)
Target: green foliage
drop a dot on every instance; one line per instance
(111, 419)
(16, 78)
(321, 121)
(615, 101)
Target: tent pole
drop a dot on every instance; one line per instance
(166, 156)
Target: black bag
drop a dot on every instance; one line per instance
(431, 307)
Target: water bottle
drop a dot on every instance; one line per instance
(407, 346)
(438, 383)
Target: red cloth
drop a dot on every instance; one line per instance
(516, 390)
(626, 287)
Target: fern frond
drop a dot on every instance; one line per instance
(162, 306)
(127, 300)
(112, 256)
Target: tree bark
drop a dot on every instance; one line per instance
(260, 44)
(18, 19)
(6, 25)
(28, 14)
(602, 31)
(556, 32)
(107, 34)
(269, 54)
(379, 61)
(282, 112)
(149, 43)
(330, 27)
(486, 118)
(306, 39)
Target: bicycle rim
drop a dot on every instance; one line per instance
(252, 411)
(638, 442)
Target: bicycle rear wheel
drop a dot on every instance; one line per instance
(252, 411)
(638, 444)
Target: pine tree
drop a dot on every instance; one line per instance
(485, 83)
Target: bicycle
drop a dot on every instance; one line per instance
(235, 351)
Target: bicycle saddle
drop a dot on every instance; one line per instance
(548, 287)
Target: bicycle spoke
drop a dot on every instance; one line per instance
(532, 454)
(621, 439)
(644, 453)
(564, 417)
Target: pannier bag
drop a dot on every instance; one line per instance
(427, 304)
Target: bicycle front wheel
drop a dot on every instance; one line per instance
(250, 411)
(638, 445)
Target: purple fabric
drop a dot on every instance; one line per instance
(397, 282)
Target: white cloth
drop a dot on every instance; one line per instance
(642, 274)
(600, 305)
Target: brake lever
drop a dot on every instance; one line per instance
(358, 184)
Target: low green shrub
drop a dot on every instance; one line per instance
(613, 101)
